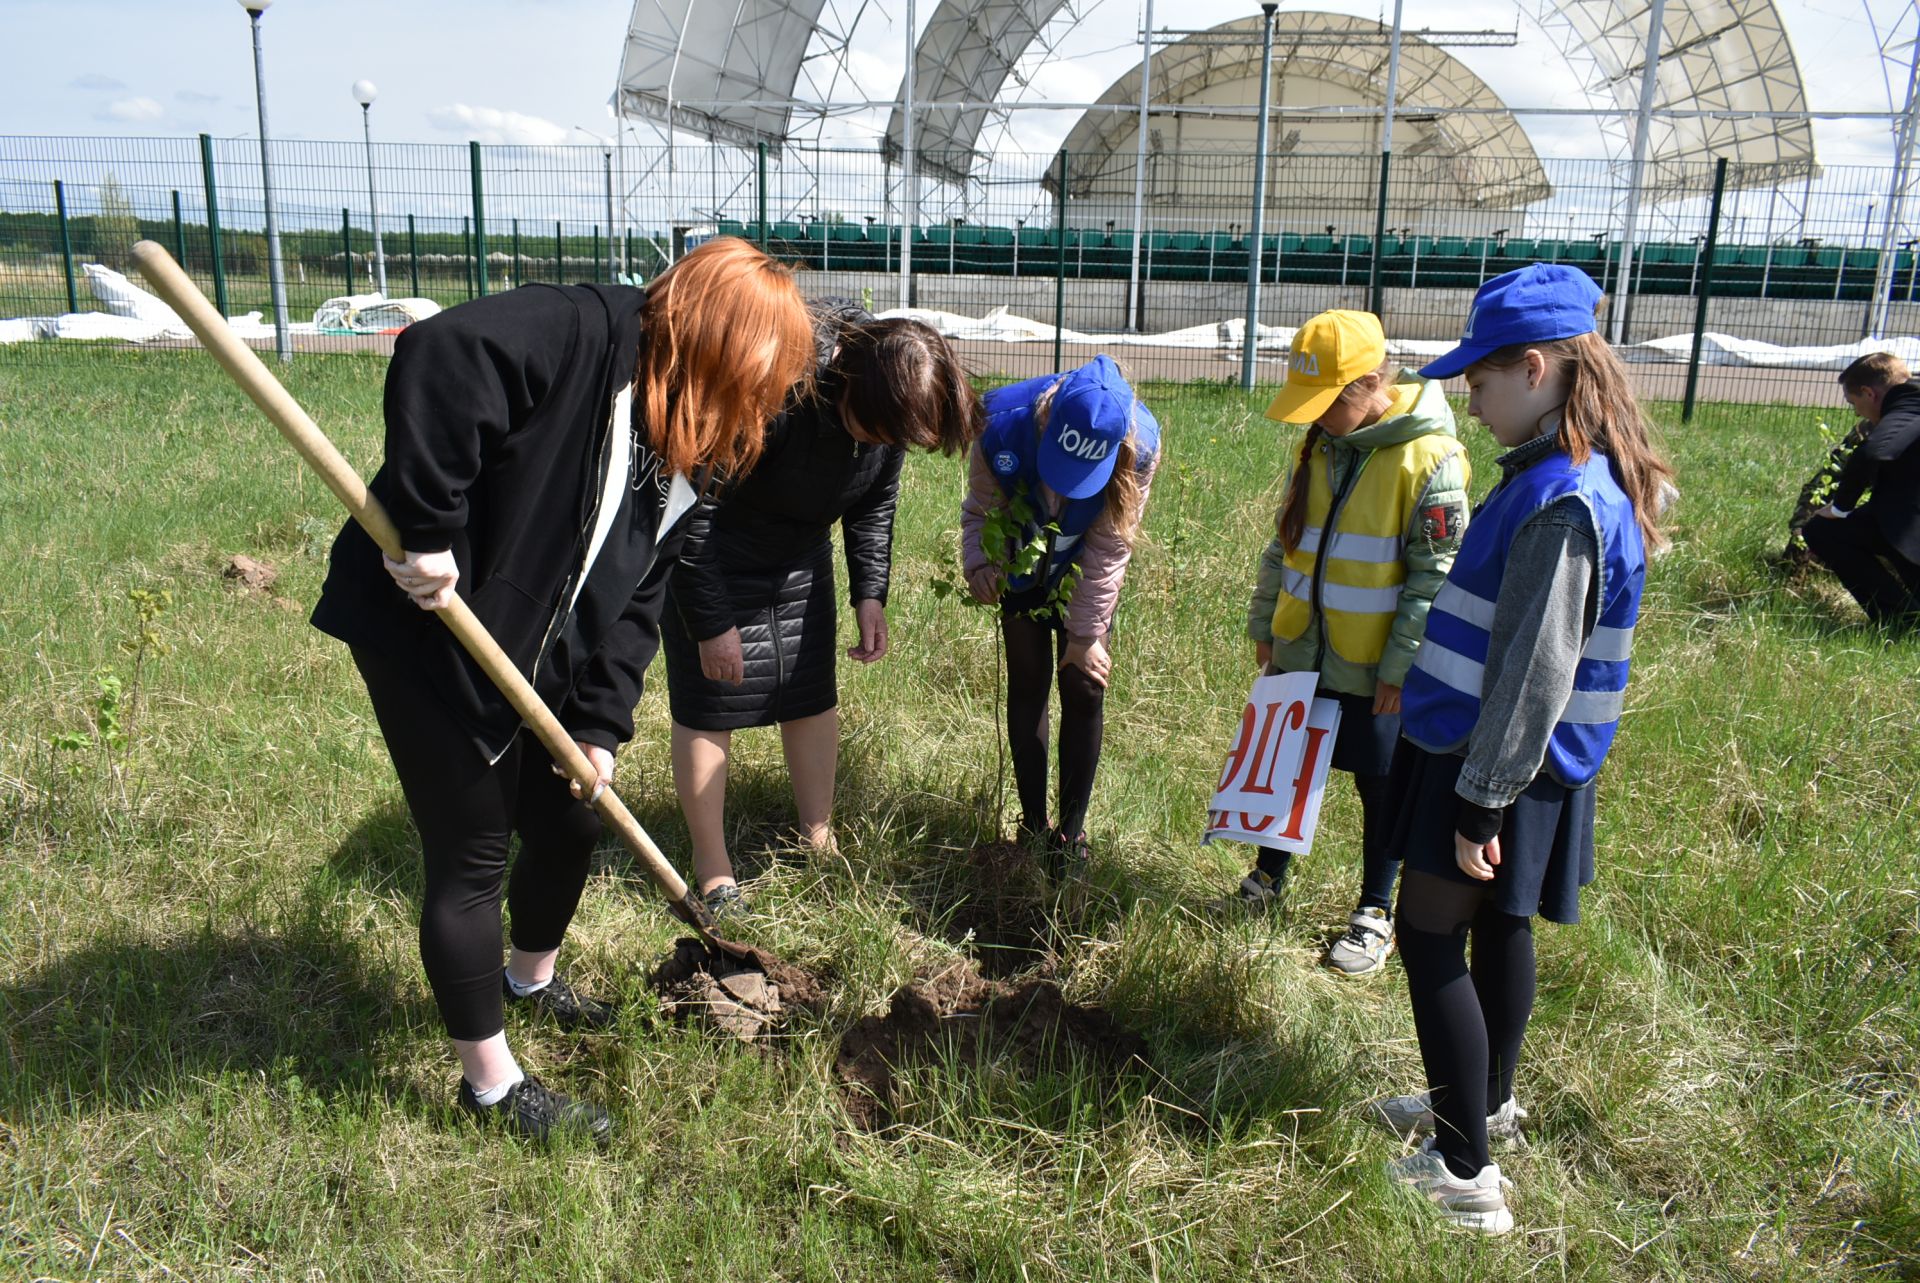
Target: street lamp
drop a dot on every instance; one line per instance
(276, 268)
(1256, 246)
(364, 93)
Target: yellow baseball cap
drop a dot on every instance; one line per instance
(1329, 352)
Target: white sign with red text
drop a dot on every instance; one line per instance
(1275, 774)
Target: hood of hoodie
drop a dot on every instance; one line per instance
(1430, 413)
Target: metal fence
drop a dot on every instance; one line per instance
(1046, 239)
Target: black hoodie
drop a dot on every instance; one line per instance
(500, 416)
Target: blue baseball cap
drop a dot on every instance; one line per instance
(1092, 414)
(1530, 304)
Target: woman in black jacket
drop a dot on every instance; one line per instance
(749, 633)
(543, 447)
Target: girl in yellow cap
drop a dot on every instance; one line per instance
(1372, 518)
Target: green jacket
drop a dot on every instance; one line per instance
(1436, 518)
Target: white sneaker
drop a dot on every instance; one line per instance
(1409, 1117)
(1479, 1204)
(1364, 948)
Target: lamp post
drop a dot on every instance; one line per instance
(1254, 248)
(276, 267)
(364, 94)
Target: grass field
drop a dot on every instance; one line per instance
(220, 1059)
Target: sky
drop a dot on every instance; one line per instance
(540, 71)
(531, 71)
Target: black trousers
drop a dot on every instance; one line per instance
(1034, 648)
(466, 813)
(1886, 585)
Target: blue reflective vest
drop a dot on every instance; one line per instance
(1440, 703)
(1011, 448)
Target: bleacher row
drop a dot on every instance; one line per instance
(1421, 262)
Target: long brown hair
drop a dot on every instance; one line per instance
(1290, 523)
(725, 339)
(1126, 489)
(902, 384)
(1601, 413)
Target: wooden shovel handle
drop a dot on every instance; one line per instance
(304, 435)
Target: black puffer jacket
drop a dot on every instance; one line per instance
(810, 475)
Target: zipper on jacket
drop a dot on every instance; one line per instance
(1334, 510)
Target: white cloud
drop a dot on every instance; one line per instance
(495, 127)
(94, 80)
(134, 110)
(195, 97)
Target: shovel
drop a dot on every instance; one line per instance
(278, 404)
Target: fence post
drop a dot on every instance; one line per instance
(179, 234)
(559, 256)
(1376, 288)
(1060, 267)
(761, 151)
(413, 256)
(346, 251)
(516, 253)
(479, 223)
(66, 243)
(596, 251)
(466, 251)
(213, 224)
(1706, 289)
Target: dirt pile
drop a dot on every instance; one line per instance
(1003, 921)
(975, 1020)
(745, 998)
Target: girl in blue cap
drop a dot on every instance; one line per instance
(1509, 710)
(1070, 458)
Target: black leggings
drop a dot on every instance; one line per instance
(1379, 870)
(1034, 648)
(1470, 1023)
(465, 812)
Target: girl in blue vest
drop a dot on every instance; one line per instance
(1509, 710)
(1067, 460)
(1373, 515)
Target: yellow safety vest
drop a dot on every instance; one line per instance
(1360, 587)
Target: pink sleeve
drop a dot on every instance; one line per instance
(1103, 568)
(983, 496)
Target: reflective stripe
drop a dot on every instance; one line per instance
(1376, 548)
(1449, 667)
(1065, 542)
(1360, 601)
(1462, 604)
(1347, 546)
(1594, 708)
(1609, 645)
(1355, 601)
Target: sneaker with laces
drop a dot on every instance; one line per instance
(1411, 1117)
(725, 900)
(1257, 893)
(1363, 950)
(557, 1001)
(1478, 1203)
(533, 1112)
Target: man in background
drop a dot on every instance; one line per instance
(1873, 548)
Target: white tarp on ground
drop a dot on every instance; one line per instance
(135, 316)
(1001, 326)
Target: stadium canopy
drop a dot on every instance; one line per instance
(1715, 55)
(729, 73)
(1454, 144)
(967, 54)
(726, 72)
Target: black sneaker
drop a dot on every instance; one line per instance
(557, 1000)
(1067, 857)
(532, 1111)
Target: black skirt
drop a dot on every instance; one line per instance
(1546, 841)
(787, 618)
